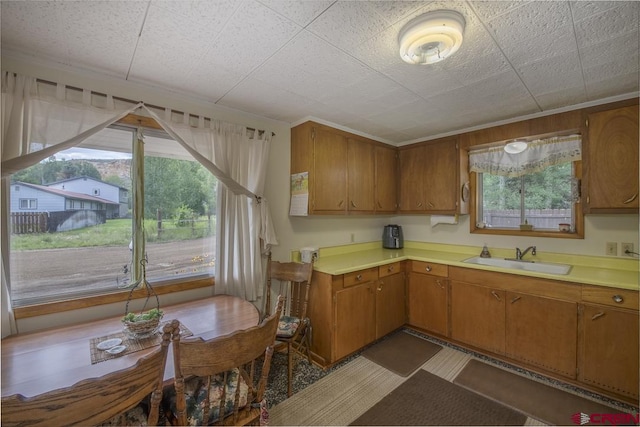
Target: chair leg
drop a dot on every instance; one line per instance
(290, 369)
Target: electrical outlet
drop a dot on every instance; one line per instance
(612, 248)
(626, 248)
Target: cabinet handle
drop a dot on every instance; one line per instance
(595, 316)
(431, 205)
(390, 269)
(353, 205)
(379, 204)
(630, 199)
(515, 299)
(440, 283)
(496, 295)
(617, 299)
(359, 277)
(341, 203)
(428, 268)
(380, 286)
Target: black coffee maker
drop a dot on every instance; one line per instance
(392, 237)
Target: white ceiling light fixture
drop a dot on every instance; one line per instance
(515, 147)
(431, 37)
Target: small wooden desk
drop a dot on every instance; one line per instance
(38, 362)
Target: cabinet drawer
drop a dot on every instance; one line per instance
(361, 276)
(389, 269)
(430, 268)
(610, 296)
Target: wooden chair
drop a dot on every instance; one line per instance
(114, 397)
(294, 329)
(216, 380)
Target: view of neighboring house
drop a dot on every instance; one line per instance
(116, 197)
(70, 204)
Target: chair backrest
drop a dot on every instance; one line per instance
(297, 276)
(238, 352)
(96, 400)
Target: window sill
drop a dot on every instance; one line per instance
(160, 288)
(528, 233)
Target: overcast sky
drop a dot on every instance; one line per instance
(89, 154)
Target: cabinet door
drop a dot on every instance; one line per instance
(542, 332)
(390, 304)
(386, 161)
(478, 316)
(441, 189)
(609, 349)
(355, 322)
(412, 179)
(428, 303)
(329, 186)
(361, 174)
(612, 161)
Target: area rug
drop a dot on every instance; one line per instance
(540, 401)
(426, 399)
(401, 353)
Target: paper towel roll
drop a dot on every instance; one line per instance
(443, 219)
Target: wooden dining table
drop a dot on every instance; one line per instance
(34, 363)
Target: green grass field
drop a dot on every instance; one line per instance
(115, 232)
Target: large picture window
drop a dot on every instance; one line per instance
(87, 246)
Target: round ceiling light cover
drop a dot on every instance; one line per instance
(515, 147)
(431, 37)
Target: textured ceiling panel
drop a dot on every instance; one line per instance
(338, 61)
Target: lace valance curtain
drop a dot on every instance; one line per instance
(539, 155)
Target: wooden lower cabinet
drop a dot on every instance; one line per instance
(609, 349)
(542, 332)
(355, 322)
(390, 304)
(478, 316)
(349, 311)
(429, 301)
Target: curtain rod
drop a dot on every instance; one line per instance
(136, 102)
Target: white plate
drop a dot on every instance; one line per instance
(117, 349)
(104, 345)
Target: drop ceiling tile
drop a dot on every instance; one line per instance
(618, 85)
(549, 44)
(348, 23)
(300, 12)
(208, 16)
(489, 10)
(552, 74)
(252, 35)
(530, 21)
(393, 11)
(561, 97)
(608, 25)
(619, 67)
(626, 45)
(585, 9)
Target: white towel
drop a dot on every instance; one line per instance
(443, 219)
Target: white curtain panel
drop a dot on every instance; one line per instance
(244, 228)
(539, 155)
(36, 125)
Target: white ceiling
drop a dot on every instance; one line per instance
(338, 61)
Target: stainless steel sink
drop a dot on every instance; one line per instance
(540, 267)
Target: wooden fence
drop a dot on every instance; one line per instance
(539, 218)
(29, 222)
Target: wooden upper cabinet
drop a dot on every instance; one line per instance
(429, 177)
(611, 161)
(386, 190)
(361, 173)
(348, 174)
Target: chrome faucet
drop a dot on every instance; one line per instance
(520, 254)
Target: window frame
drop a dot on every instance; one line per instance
(161, 287)
(577, 207)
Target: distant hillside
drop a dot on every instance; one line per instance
(107, 168)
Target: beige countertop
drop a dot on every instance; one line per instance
(600, 271)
